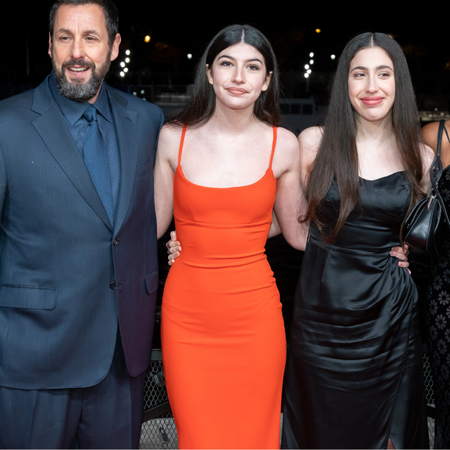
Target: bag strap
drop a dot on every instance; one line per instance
(439, 138)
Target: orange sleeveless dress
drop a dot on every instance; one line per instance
(223, 337)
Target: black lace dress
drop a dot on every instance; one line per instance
(438, 321)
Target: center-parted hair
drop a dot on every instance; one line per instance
(337, 157)
(203, 101)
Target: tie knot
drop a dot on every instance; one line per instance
(90, 114)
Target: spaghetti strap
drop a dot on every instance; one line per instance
(274, 144)
(183, 134)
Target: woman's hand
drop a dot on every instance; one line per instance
(173, 248)
(401, 253)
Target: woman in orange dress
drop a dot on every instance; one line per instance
(222, 166)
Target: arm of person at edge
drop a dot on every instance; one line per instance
(165, 165)
(290, 165)
(429, 133)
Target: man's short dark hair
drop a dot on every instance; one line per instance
(109, 10)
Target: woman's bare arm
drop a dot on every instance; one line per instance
(165, 165)
(292, 163)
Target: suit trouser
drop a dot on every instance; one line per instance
(107, 415)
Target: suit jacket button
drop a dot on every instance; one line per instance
(115, 242)
(112, 285)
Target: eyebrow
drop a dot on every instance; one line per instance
(65, 30)
(377, 68)
(234, 59)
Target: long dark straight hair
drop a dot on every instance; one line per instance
(337, 157)
(203, 101)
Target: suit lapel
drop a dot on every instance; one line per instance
(125, 125)
(53, 130)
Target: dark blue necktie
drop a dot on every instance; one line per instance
(96, 159)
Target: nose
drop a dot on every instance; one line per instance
(77, 50)
(372, 84)
(239, 75)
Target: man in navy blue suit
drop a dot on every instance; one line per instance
(78, 264)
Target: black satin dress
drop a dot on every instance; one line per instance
(354, 372)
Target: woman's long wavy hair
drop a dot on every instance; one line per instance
(203, 101)
(337, 157)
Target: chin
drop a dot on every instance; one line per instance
(79, 91)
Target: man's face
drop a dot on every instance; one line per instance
(80, 51)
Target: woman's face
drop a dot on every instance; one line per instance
(238, 76)
(371, 84)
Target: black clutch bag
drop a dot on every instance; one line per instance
(426, 225)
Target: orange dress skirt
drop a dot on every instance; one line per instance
(223, 338)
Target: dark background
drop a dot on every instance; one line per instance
(179, 28)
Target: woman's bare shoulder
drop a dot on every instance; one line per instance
(429, 133)
(286, 140)
(309, 142)
(286, 157)
(169, 144)
(430, 137)
(170, 132)
(311, 137)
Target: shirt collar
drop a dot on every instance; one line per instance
(74, 110)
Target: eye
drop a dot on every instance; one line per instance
(358, 74)
(253, 67)
(384, 74)
(225, 63)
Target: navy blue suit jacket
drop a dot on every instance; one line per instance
(67, 278)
